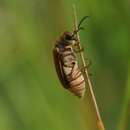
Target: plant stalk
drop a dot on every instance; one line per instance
(86, 75)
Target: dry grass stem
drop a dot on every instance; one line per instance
(87, 78)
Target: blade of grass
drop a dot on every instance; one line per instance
(98, 117)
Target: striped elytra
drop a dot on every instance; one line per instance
(66, 64)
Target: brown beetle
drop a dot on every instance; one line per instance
(66, 62)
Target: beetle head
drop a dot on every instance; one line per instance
(70, 37)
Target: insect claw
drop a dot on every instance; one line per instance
(88, 62)
(83, 68)
(79, 50)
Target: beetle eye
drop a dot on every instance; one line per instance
(68, 37)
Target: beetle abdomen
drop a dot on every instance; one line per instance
(74, 76)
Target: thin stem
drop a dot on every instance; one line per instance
(98, 117)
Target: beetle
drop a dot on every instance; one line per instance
(66, 62)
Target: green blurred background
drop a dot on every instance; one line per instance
(31, 97)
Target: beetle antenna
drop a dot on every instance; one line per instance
(81, 21)
(79, 25)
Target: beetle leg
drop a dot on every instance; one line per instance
(88, 62)
(78, 50)
(82, 69)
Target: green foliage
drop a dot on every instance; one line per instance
(31, 97)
